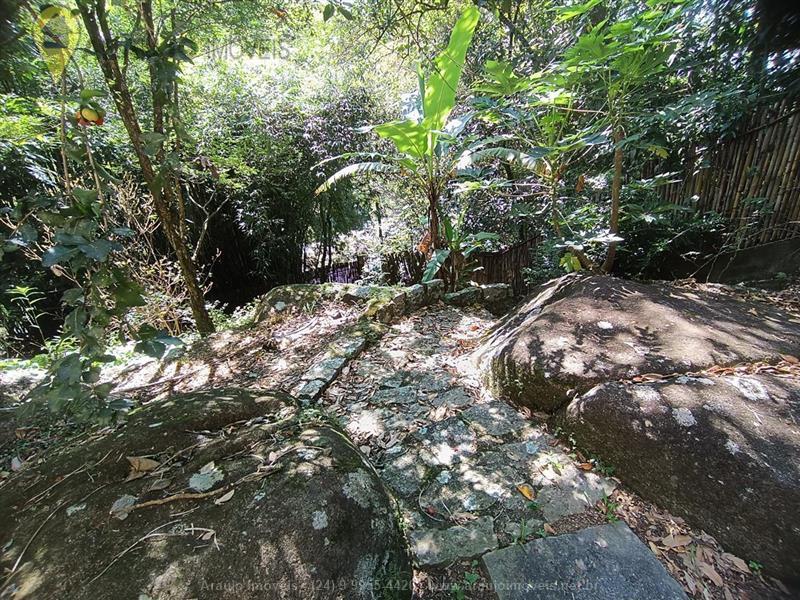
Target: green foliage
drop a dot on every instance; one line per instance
(424, 147)
(242, 317)
(155, 343)
(755, 567)
(454, 263)
(439, 90)
(570, 263)
(609, 509)
(663, 241)
(565, 89)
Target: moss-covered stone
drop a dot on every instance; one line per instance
(293, 528)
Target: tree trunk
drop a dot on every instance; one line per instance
(554, 201)
(94, 19)
(379, 216)
(433, 220)
(616, 188)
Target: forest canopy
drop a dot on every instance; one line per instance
(165, 163)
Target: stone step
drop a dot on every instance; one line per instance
(439, 547)
(607, 562)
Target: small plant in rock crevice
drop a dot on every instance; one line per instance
(609, 507)
(522, 536)
(755, 567)
(468, 582)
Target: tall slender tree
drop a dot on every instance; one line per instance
(159, 179)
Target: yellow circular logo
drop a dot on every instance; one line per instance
(56, 34)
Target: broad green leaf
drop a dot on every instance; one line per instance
(449, 232)
(328, 11)
(408, 137)
(570, 12)
(155, 343)
(74, 321)
(73, 297)
(127, 294)
(659, 151)
(57, 254)
(527, 160)
(152, 348)
(349, 171)
(69, 368)
(434, 264)
(152, 142)
(83, 196)
(89, 93)
(440, 89)
(70, 239)
(570, 263)
(99, 250)
(501, 80)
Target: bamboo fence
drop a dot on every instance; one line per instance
(753, 179)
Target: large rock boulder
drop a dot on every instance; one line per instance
(226, 494)
(293, 297)
(578, 331)
(600, 563)
(723, 452)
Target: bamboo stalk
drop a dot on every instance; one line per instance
(776, 175)
(789, 181)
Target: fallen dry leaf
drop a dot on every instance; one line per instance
(690, 582)
(675, 541)
(709, 572)
(23, 433)
(140, 463)
(549, 529)
(585, 466)
(122, 506)
(140, 466)
(225, 497)
(159, 484)
(728, 595)
(737, 563)
(527, 491)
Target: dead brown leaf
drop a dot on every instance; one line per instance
(141, 463)
(159, 484)
(140, 466)
(728, 595)
(527, 491)
(737, 563)
(711, 574)
(676, 541)
(225, 497)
